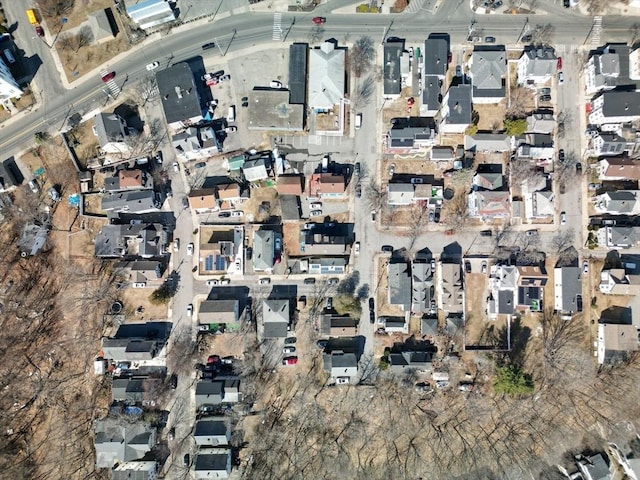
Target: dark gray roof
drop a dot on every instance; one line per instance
(436, 52)
(10, 174)
(118, 441)
(506, 304)
(207, 460)
(405, 131)
(571, 278)
(298, 53)
(136, 201)
(109, 128)
(488, 69)
(432, 92)
(209, 392)
(275, 317)
(459, 103)
(290, 207)
(135, 471)
(399, 284)
(210, 427)
(622, 236)
(613, 144)
(392, 81)
(410, 359)
(263, 249)
(33, 239)
(622, 201)
(621, 103)
(429, 326)
(178, 92)
(421, 283)
(543, 61)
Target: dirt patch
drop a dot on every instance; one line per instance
(84, 143)
(258, 196)
(475, 291)
(491, 116)
(291, 238)
(398, 107)
(132, 298)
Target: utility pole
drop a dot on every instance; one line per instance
(526, 24)
(293, 22)
(385, 32)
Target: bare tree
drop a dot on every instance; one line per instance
(634, 34)
(520, 170)
(362, 55)
(456, 211)
(83, 38)
(316, 34)
(594, 7)
(542, 34)
(147, 89)
(376, 197)
(519, 102)
(364, 92)
(54, 8)
(563, 240)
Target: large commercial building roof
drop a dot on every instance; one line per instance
(180, 100)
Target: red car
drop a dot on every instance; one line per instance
(213, 359)
(39, 31)
(559, 63)
(319, 20)
(290, 360)
(108, 76)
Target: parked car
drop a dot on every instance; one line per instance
(342, 380)
(497, 4)
(373, 215)
(372, 304)
(484, 267)
(417, 180)
(212, 283)
(578, 167)
(309, 281)
(315, 213)
(358, 191)
(176, 245)
(334, 281)
(585, 267)
(207, 46)
(224, 78)
(329, 304)
(224, 214)
(265, 281)
(486, 233)
(190, 249)
(212, 359)
(563, 218)
(458, 71)
(322, 344)
(176, 167)
(432, 216)
(152, 66)
(545, 98)
(559, 63)
(490, 39)
(356, 169)
(316, 206)
(545, 91)
(275, 84)
(190, 310)
(290, 340)
(33, 185)
(467, 267)
(531, 233)
(526, 38)
(185, 202)
(289, 350)
(108, 76)
(319, 20)
(237, 213)
(53, 193)
(560, 78)
(186, 460)
(289, 360)
(392, 169)
(159, 157)
(356, 248)
(277, 244)
(200, 165)
(39, 31)
(173, 381)
(231, 129)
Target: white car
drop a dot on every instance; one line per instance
(373, 215)
(237, 213)
(275, 84)
(190, 310)
(563, 218)
(315, 213)
(265, 281)
(356, 249)
(585, 267)
(342, 380)
(316, 206)
(212, 283)
(176, 167)
(190, 249)
(176, 245)
(225, 281)
(289, 350)
(152, 66)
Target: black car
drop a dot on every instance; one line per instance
(436, 217)
(173, 381)
(159, 157)
(467, 267)
(186, 460)
(249, 252)
(245, 99)
(372, 304)
(387, 248)
(490, 39)
(224, 214)
(486, 233)
(356, 169)
(217, 74)
(526, 38)
(309, 281)
(322, 343)
(566, 4)
(578, 167)
(358, 191)
(209, 45)
(372, 317)
(290, 340)
(561, 156)
(200, 165)
(545, 98)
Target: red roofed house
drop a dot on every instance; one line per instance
(290, 185)
(327, 185)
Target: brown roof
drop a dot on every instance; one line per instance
(329, 183)
(130, 178)
(622, 167)
(201, 199)
(228, 190)
(290, 185)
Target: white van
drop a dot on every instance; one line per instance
(358, 121)
(231, 114)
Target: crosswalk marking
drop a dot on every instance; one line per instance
(277, 26)
(596, 30)
(111, 85)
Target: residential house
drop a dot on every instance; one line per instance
(338, 325)
(225, 311)
(531, 283)
(436, 56)
(150, 14)
(143, 391)
(536, 146)
(541, 122)
(431, 96)
(616, 342)
(488, 204)
(117, 441)
(429, 326)
(619, 237)
(621, 168)
(399, 285)
(326, 265)
(290, 208)
(113, 133)
(230, 196)
(537, 65)
(567, 288)
(321, 241)
(328, 185)
(128, 180)
(618, 202)
(290, 185)
(135, 471)
(212, 463)
(516, 288)
(275, 318)
(442, 154)
(144, 240)
(217, 391)
(489, 180)
(141, 273)
(411, 133)
(410, 360)
(488, 142)
(33, 239)
(615, 106)
(426, 193)
(608, 145)
(212, 432)
(488, 67)
(9, 88)
(593, 467)
(256, 169)
(10, 175)
(392, 79)
(194, 143)
(220, 253)
(263, 250)
(602, 71)
(136, 201)
(456, 109)
(421, 287)
(340, 364)
(619, 281)
(399, 194)
(326, 76)
(451, 290)
(129, 349)
(541, 204)
(100, 23)
(179, 96)
(395, 324)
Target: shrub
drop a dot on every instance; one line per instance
(513, 381)
(471, 129)
(515, 126)
(160, 295)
